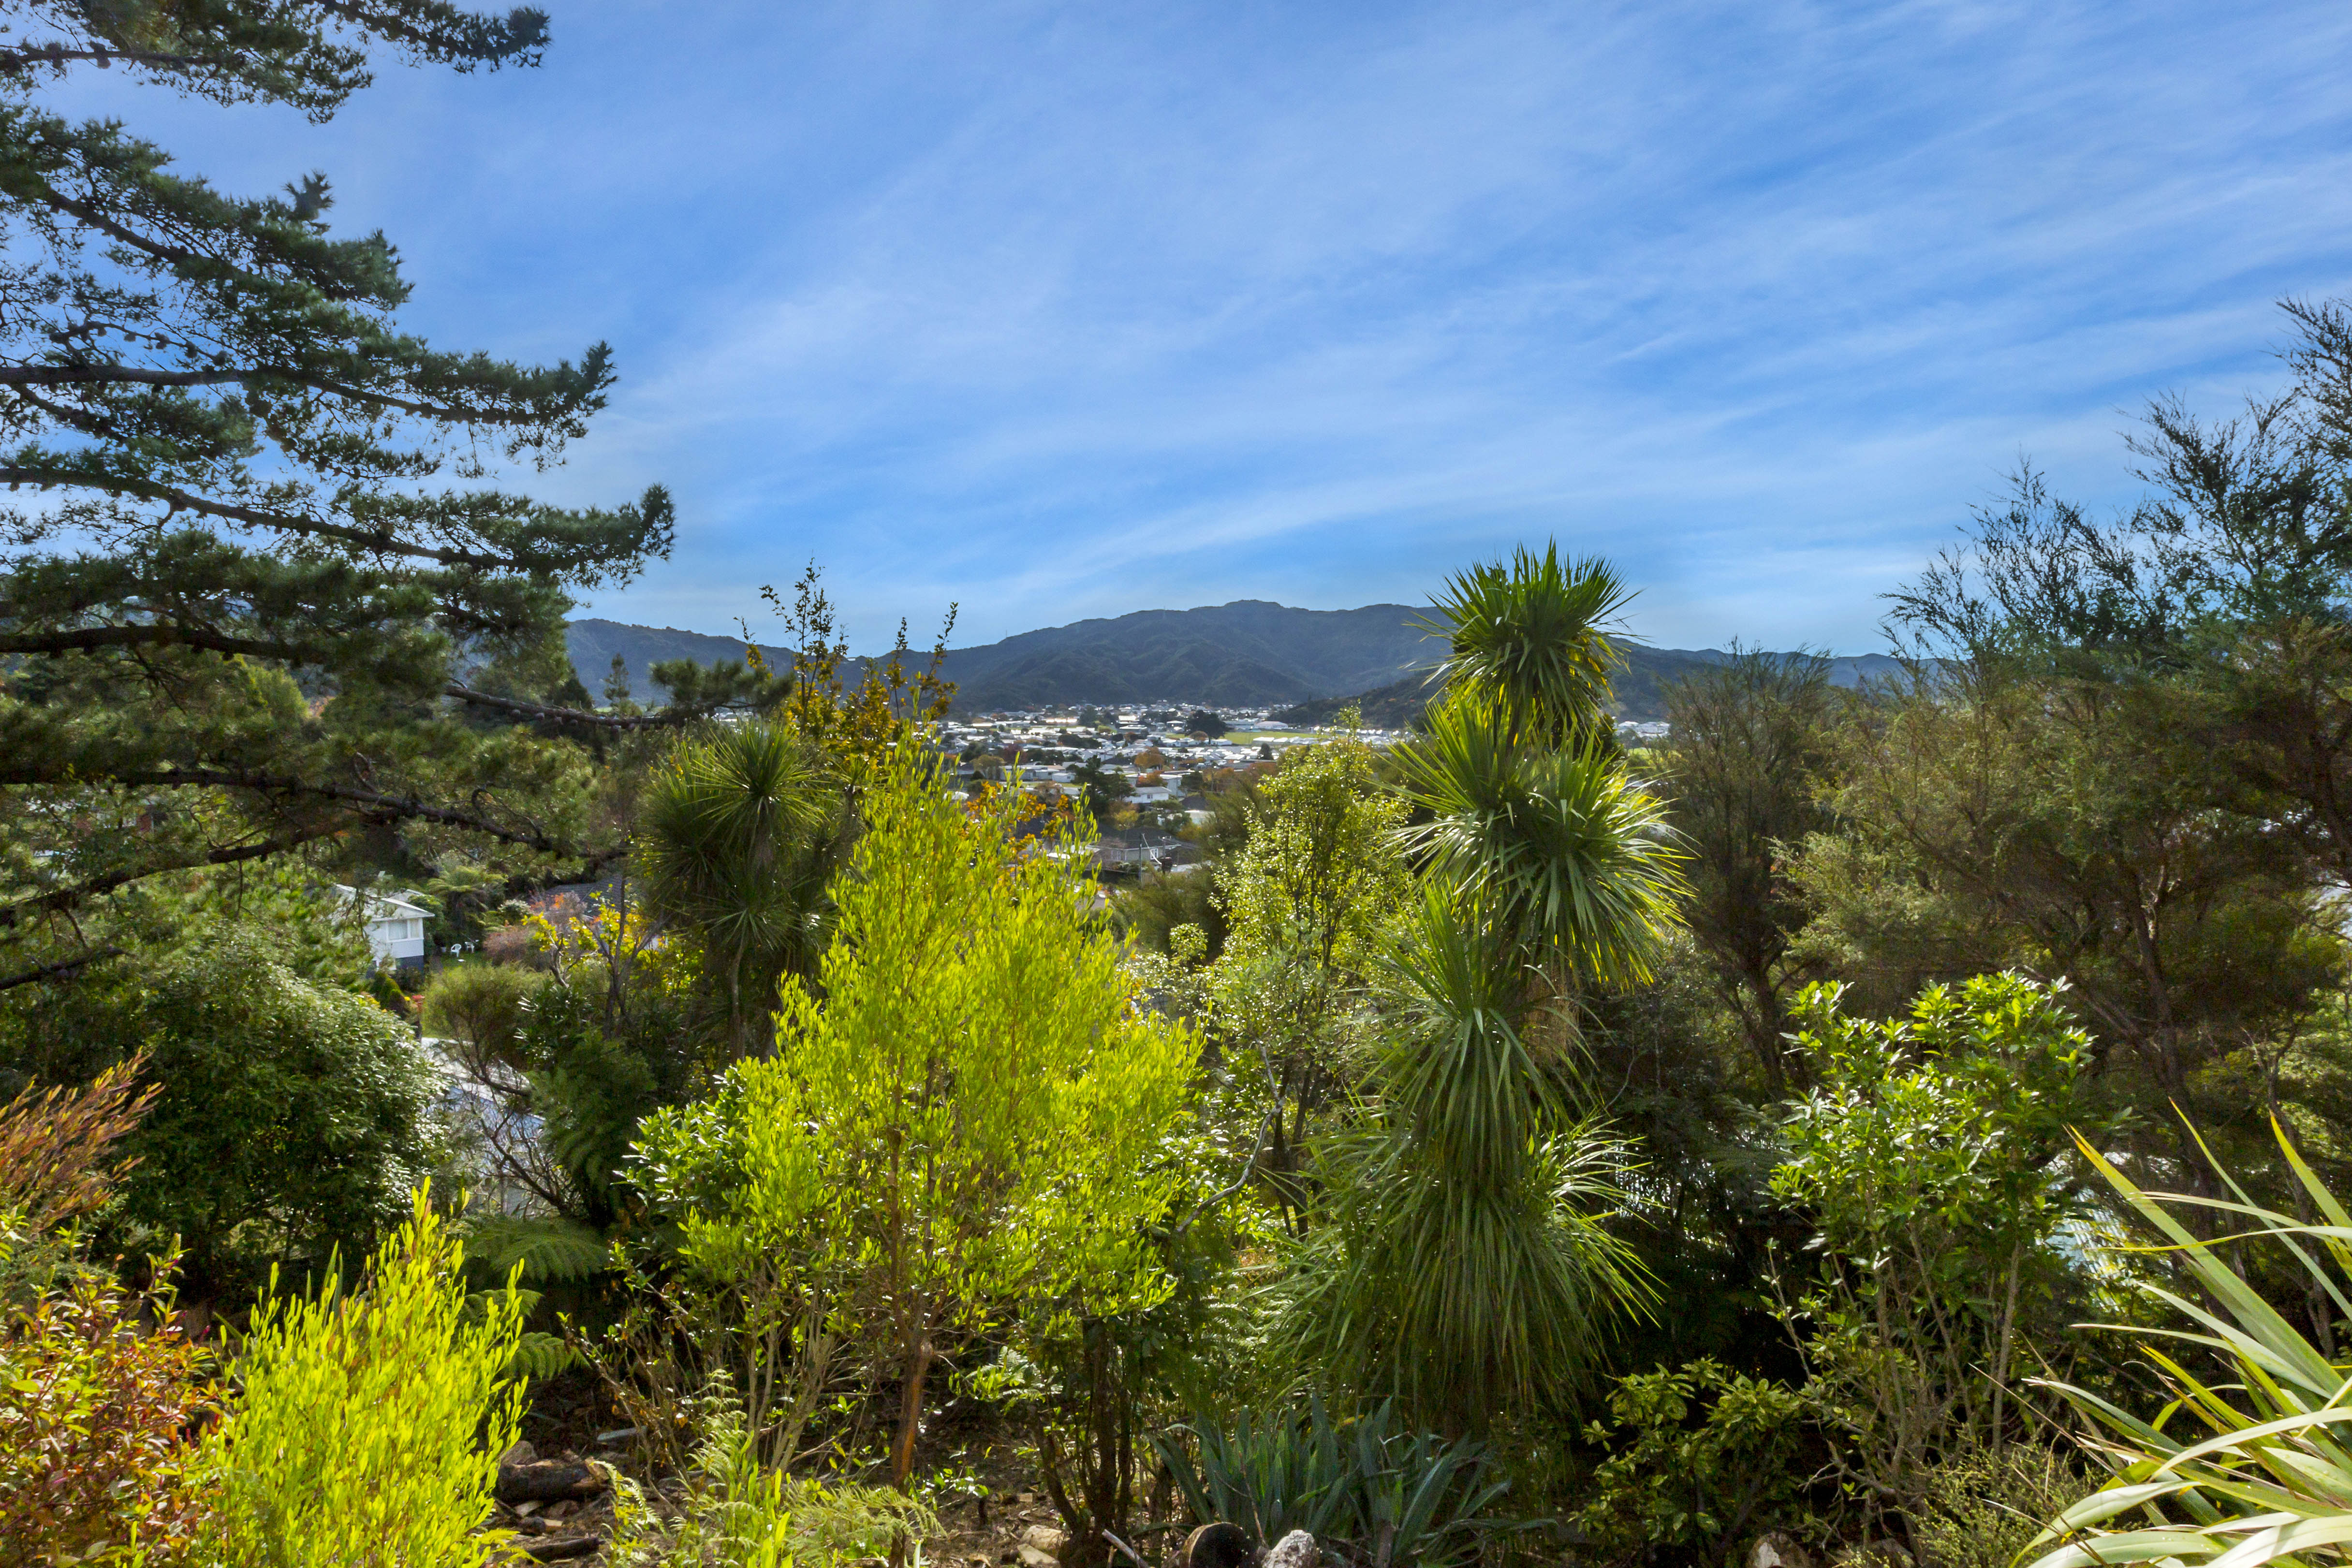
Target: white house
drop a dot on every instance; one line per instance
(395, 927)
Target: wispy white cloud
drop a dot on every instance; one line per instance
(1063, 310)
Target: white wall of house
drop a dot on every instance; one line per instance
(395, 927)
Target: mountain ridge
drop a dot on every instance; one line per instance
(1247, 652)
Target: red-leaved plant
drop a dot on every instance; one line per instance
(101, 1391)
(98, 1409)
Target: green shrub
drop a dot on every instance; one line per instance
(482, 1006)
(1985, 1507)
(369, 1423)
(298, 1111)
(962, 1122)
(294, 1113)
(733, 1513)
(1931, 1161)
(1699, 1457)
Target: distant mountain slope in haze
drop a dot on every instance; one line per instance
(1638, 695)
(1248, 653)
(592, 644)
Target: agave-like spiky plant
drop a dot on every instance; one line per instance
(2243, 1468)
(1401, 1499)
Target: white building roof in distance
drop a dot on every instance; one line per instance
(388, 905)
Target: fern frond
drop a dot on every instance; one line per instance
(540, 1355)
(551, 1251)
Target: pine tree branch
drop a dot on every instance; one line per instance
(177, 256)
(669, 718)
(133, 375)
(13, 60)
(167, 636)
(155, 635)
(59, 970)
(58, 900)
(287, 522)
(462, 40)
(376, 807)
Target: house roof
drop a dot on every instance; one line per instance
(386, 905)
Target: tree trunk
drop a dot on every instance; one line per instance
(911, 1410)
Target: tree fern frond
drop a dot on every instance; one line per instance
(541, 1355)
(551, 1251)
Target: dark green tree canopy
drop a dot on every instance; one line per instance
(257, 586)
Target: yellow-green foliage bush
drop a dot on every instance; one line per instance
(962, 1119)
(371, 1422)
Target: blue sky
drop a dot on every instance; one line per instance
(1067, 309)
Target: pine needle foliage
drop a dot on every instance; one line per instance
(258, 587)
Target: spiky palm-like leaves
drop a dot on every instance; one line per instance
(739, 836)
(1530, 639)
(1468, 1270)
(1567, 856)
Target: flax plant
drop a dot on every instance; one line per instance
(2248, 1463)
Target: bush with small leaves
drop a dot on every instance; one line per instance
(371, 1422)
(93, 1406)
(734, 1512)
(1698, 1457)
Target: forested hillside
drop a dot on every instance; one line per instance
(1248, 653)
(1245, 653)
